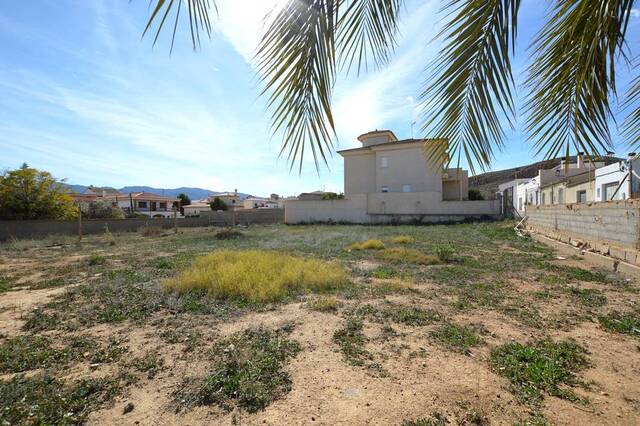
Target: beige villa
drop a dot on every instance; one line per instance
(390, 180)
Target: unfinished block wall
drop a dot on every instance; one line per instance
(611, 227)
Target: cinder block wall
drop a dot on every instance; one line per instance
(42, 228)
(612, 223)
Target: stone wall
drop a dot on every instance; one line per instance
(42, 228)
(611, 227)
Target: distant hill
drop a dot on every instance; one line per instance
(488, 182)
(192, 193)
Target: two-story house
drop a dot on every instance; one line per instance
(388, 180)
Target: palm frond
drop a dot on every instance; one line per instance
(197, 14)
(297, 62)
(572, 77)
(631, 125)
(367, 32)
(468, 94)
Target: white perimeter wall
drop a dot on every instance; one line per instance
(386, 207)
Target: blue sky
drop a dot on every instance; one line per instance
(81, 95)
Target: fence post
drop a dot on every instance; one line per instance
(175, 221)
(79, 223)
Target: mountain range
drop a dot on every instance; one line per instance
(192, 193)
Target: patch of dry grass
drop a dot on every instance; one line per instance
(151, 231)
(324, 304)
(367, 245)
(257, 276)
(403, 239)
(407, 255)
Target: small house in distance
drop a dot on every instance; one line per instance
(391, 180)
(144, 203)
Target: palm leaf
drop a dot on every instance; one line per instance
(631, 125)
(296, 59)
(367, 32)
(572, 78)
(197, 14)
(468, 94)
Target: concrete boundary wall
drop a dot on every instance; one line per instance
(611, 228)
(398, 207)
(42, 228)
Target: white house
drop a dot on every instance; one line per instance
(144, 203)
(534, 189)
(514, 195)
(390, 180)
(613, 183)
(260, 203)
(196, 207)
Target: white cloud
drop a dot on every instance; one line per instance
(244, 22)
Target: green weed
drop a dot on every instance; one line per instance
(246, 371)
(455, 337)
(542, 366)
(621, 322)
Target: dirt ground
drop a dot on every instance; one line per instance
(421, 376)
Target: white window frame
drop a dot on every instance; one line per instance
(384, 162)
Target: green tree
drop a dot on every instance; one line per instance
(27, 193)
(218, 204)
(184, 201)
(332, 196)
(468, 96)
(103, 210)
(475, 194)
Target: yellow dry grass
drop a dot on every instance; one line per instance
(257, 275)
(407, 255)
(403, 239)
(367, 245)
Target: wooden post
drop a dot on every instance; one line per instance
(79, 223)
(175, 221)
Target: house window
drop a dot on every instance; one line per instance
(142, 204)
(560, 196)
(163, 206)
(384, 188)
(598, 193)
(406, 188)
(543, 199)
(581, 196)
(384, 162)
(519, 203)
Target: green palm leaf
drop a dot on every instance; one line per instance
(367, 32)
(631, 125)
(297, 61)
(469, 92)
(572, 78)
(197, 14)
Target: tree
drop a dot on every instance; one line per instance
(218, 204)
(27, 193)
(467, 98)
(184, 201)
(475, 194)
(332, 196)
(103, 210)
